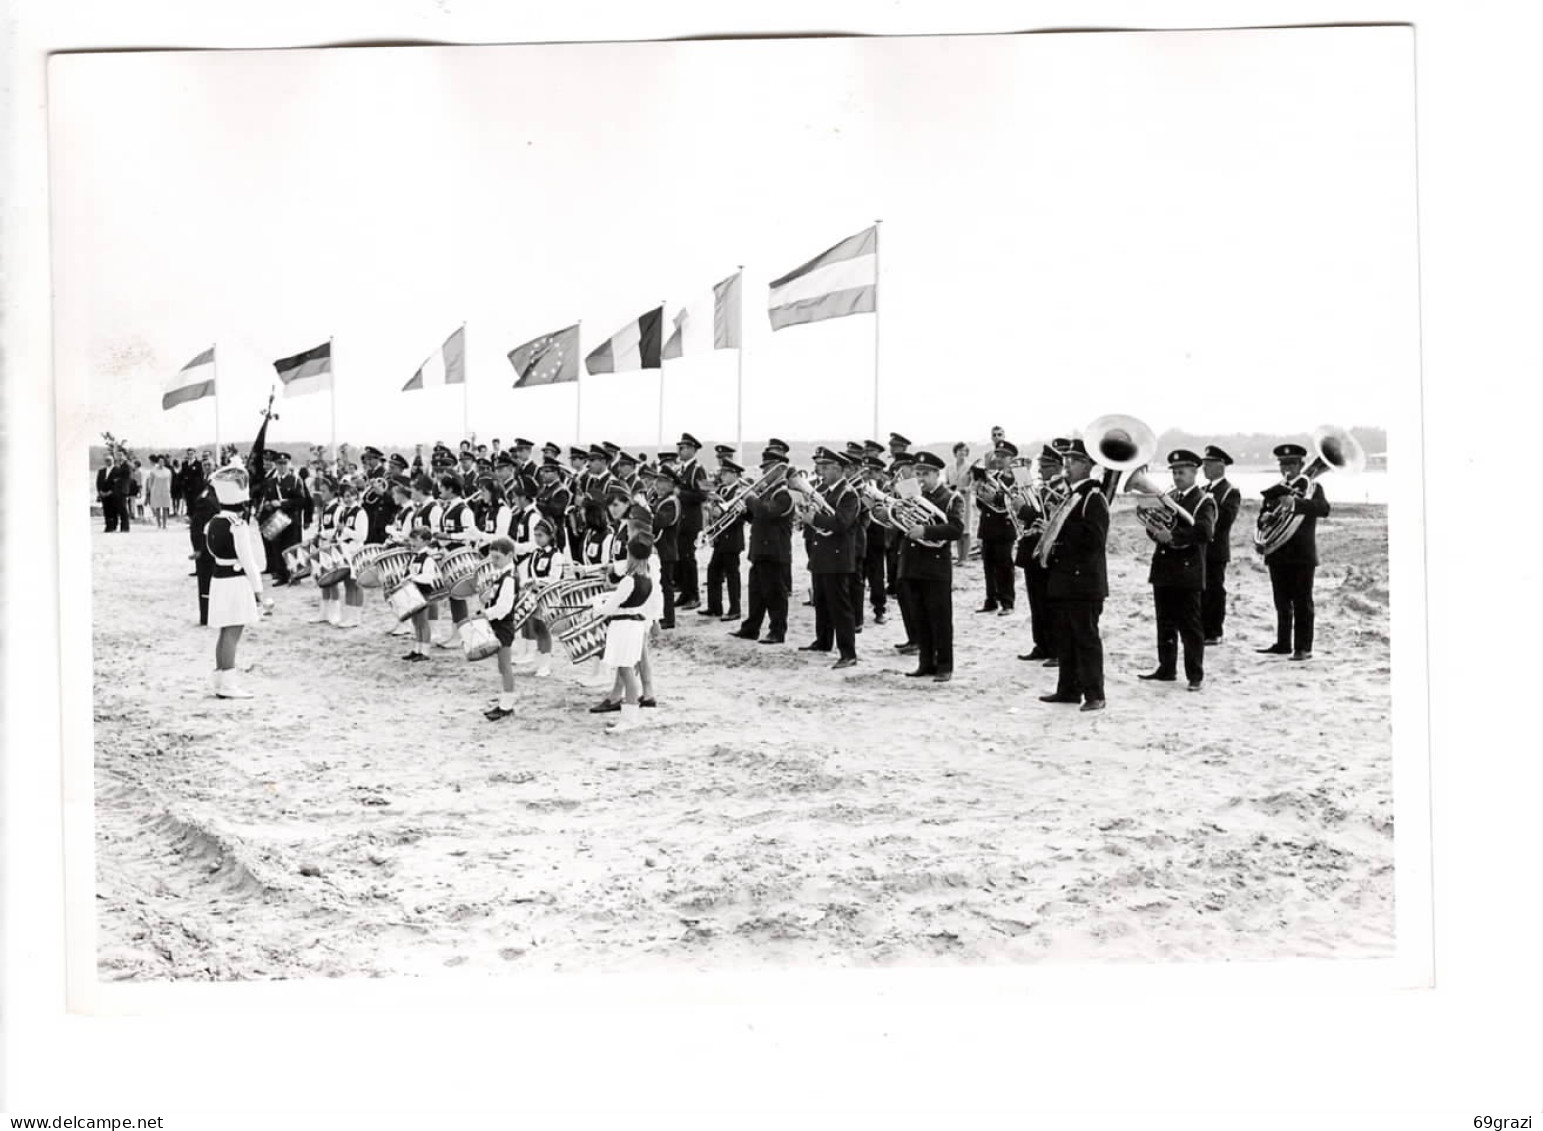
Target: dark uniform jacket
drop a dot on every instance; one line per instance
(934, 563)
(991, 500)
(1228, 500)
(732, 540)
(1302, 548)
(1180, 564)
(832, 538)
(693, 493)
(1077, 568)
(552, 501)
(771, 526)
(667, 519)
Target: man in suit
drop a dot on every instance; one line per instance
(1293, 564)
(877, 548)
(781, 447)
(666, 506)
(553, 499)
(1035, 576)
(833, 560)
(926, 572)
(120, 481)
(1077, 583)
(995, 530)
(1218, 551)
(106, 496)
(771, 549)
(691, 477)
(723, 568)
(1177, 574)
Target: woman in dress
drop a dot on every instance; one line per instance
(160, 491)
(236, 582)
(958, 477)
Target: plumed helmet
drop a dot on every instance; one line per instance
(230, 484)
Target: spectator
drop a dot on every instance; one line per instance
(958, 477)
(158, 486)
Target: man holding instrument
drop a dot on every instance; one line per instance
(1181, 527)
(1078, 582)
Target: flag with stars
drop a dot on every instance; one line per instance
(547, 360)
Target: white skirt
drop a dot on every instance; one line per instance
(232, 602)
(624, 643)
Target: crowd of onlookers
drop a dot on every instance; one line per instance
(126, 489)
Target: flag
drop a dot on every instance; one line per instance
(308, 372)
(548, 359)
(840, 281)
(634, 346)
(194, 380)
(445, 366)
(692, 325)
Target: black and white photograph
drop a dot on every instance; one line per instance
(704, 506)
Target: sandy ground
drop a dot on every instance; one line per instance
(361, 818)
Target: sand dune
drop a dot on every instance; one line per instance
(361, 818)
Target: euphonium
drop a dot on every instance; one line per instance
(799, 482)
(1337, 450)
(1155, 506)
(910, 508)
(734, 508)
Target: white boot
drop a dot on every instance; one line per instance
(216, 682)
(628, 718)
(451, 641)
(520, 654)
(230, 688)
(324, 613)
(335, 613)
(352, 616)
(544, 665)
(403, 628)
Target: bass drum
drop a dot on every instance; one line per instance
(297, 560)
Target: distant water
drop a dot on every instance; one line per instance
(1368, 487)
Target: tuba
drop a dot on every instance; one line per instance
(1337, 450)
(910, 508)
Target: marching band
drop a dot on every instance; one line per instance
(517, 555)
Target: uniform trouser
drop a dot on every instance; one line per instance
(1178, 619)
(109, 514)
(996, 558)
(892, 566)
(1081, 651)
(932, 605)
(768, 598)
(787, 577)
(722, 571)
(907, 603)
(1292, 584)
(1041, 622)
(1213, 605)
(669, 574)
(833, 613)
(685, 568)
(203, 564)
(122, 508)
(873, 574)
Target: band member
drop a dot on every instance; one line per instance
(545, 565)
(1077, 584)
(353, 531)
(1035, 576)
(668, 513)
(457, 530)
(495, 514)
(691, 480)
(781, 446)
(872, 566)
(499, 607)
(424, 573)
(202, 506)
(375, 496)
(236, 584)
(771, 551)
(1218, 551)
(288, 496)
(852, 472)
(832, 559)
(1177, 574)
(926, 572)
(902, 467)
(403, 518)
(328, 507)
(724, 453)
(723, 566)
(1293, 564)
(522, 459)
(624, 608)
(625, 469)
(898, 445)
(996, 530)
(553, 499)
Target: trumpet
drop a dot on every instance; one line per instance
(813, 500)
(1335, 449)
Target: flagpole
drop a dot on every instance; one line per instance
(660, 442)
(876, 224)
(465, 383)
(332, 390)
(739, 391)
(578, 384)
(215, 350)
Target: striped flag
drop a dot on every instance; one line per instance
(547, 360)
(308, 372)
(194, 380)
(634, 346)
(445, 366)
(692, 325)
(835, 283)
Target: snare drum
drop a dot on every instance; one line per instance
(469, 585)
(363, 565)
(332, 567)
(584, 640)
(525, 605)
(392, 566)
(405, 599)
(477, 638)
(275, 524)
(455, 568)
(298, 561)
(577, 591)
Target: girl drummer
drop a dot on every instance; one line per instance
(352, 532)
(424, 573)
(236, 584)
(327, 509)
(500, 606)
(546, 565)
(626, 627)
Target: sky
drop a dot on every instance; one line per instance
(1213, 231)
